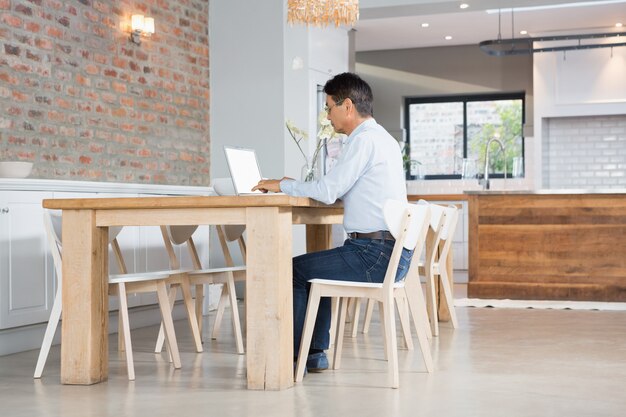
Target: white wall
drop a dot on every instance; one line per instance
(263, 72)
(246, 40)
(254, 86)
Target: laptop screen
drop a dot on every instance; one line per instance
(244, 169)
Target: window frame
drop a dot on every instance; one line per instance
(464, 98)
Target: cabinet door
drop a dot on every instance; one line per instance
(26, 271)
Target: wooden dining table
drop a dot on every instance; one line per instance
(269, 317)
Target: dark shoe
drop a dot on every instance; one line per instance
(317, 362)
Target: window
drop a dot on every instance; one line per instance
(448, 135)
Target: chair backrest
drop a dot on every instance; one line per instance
(433, 238)
(231, 232)
(408, 223)
(436, 211)
(448, 229)
(180, 234)
(53, 223)
(177, 235)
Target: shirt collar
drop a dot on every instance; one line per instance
(360, 128)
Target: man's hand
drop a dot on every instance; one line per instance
(269, 185)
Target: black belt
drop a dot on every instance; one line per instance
(381, 234)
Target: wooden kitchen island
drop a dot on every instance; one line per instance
(547, 245)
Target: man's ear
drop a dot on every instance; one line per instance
(349, 104)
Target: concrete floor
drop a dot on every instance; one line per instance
(500, 362)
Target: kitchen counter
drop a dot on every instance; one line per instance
(548, 244)
(547, 192)
(437, 197)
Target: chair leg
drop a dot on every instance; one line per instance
(334, 308)
(382, 326)
(199, 309)
(415, 296)
(307, 332)
(235, 312)
(387, 312)
(161, 337)
(185, 286)
(368, 315)
(221, 306)
(416, 309)
(125, 325)
(431, 301)
(355, 316)
(341, 327)
(447, 291)
(121, 346)
(168, 323)
(51, 329)
(405, 321)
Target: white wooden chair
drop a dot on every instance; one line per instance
(178, 235)
(443, 220)
(439, 248)
(230, 233)
(120, 285)
(408, 223)
(437, 220)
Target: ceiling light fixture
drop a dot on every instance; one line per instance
(526, 46)
(425, 25)
(463, 6)
(323, 12)
(618, 25)
(448, 38)
(523, 32)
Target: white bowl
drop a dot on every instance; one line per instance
(223, 186)
(15, 169)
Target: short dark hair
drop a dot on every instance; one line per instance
(349, 85)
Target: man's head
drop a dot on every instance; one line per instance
(348, 101)
(349, 85)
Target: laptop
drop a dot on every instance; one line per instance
(244, 170)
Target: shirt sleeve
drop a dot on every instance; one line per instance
(354, 161)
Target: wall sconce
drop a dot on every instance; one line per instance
(140, 25)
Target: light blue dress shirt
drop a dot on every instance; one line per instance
(368, 173)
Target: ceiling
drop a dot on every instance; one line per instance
(396, 24)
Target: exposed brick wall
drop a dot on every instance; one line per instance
(82, 102)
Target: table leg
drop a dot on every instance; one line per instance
(84, 350)
(318, 237)
(269, 298)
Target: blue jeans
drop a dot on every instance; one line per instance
(363, 260)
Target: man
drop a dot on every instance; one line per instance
(368, 173)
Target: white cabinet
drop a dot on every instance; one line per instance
(27, 277)
(26, 270)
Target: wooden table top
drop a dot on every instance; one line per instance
(272, 200)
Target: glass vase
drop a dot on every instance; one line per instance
(309, 172)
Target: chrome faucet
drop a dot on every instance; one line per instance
(485, 180)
